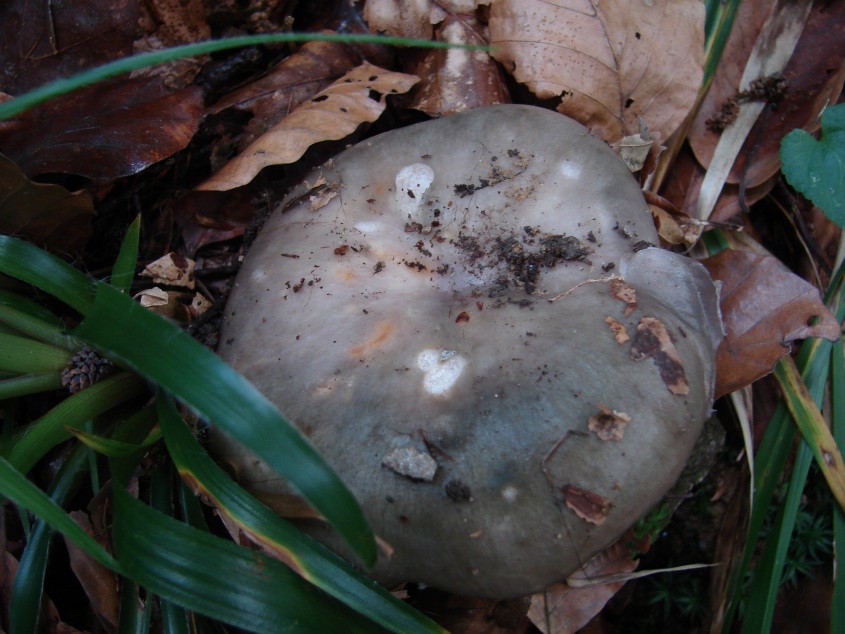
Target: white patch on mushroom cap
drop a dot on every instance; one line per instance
(441, 370)
(510, 493)
(412, 181)
(570, 169)
(368, 226)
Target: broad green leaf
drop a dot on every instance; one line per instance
(127, 333)
(18, 489)
(24, 355)
(220, 579)
(817, 168)
(29, 384)
(309, 558)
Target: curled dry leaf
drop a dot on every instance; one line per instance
(106, 131)
(764, 308)
(172, 269)
(562, 609)
(334, 113)
(611, 63)
(47, 215)
(814, 78)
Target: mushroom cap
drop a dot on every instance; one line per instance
(459, 316)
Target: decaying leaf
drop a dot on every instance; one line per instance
(653, 341)
(608, 424)
(764, 308)
(606, 61)
(589, 506)
(172, 269)
(106, 131)
(624, 293)
(562, 609)
(47, 215)
(620, 333)
(333, 114)
(101, 585)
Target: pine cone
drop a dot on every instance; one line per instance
(85, 368)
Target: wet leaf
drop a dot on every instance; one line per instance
(764, 308)
(817, 168)
(814, 77)
(106, 131)
(562, 609)
(99, 583)
(607, 61)
(334, 113)
(43, 41)
(47, 215)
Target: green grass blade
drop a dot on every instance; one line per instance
(14, 486)
(837, 398)
(215, 577)
(29, 384)
(126, 332)
(32, 265)
(769, 570)
(31, 308)
(310, 559)
(39, 437)
(25, 356)
(28, 586)
(42, 330)
(123, 271)
(114, 448)
(142, 60)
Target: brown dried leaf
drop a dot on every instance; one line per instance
(814, 74)
(454, 80)
(673, 225)
(611, 63)
(44, 41)
(624, 293)
(608, 424)
(400, 18)
(293, 81)
(106, 131)
(764, 308)
(172, 269)
(336, 112)
(47, 215)
(653, 341)
(620, 333)
(171, 23)
(101, 585)
(589, 506)
(562, 609)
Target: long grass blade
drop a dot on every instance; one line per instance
(24, 355)
(310, 559)
(29, 384)
(123, 271)
(128, 333)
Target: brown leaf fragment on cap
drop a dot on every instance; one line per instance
(608, 424)
(620, 333)
(653, 340)
(589, 506)
(624, 293)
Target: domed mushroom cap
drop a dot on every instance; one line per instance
(461, 317)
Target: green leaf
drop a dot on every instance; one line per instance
(312, 560)
(114, 448)
(24, 355)
(123, 271)
(218, 578)
(130, 334)
(817, 168)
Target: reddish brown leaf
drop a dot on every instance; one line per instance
(106, 131)
(43, 41)
(653, 341)
(764, 308)
(589, 506)
(607, 61)
(47, 215)
(814, 75)
(562, 609)
(100, 584)
(209, 217)
(455, 80)
(289, 84)
(336, 112)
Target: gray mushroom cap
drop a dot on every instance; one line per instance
(458, 315)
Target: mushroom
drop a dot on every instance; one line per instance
(467, 319)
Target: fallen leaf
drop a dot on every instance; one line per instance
(401, 18)
(624, 293)
(620, 333)
(47, 215)
(101, 585)
(334, 113)
(814, 78)
(172, 269)
(170, 23)
(611, 63)
(287, 85)
(653, 341)
(44, 41)
(454, 79)
(589, 506)
(608, 424)
(106, 131)
(209, 217)
(764, 308)
(673, 225)
(562, 609)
